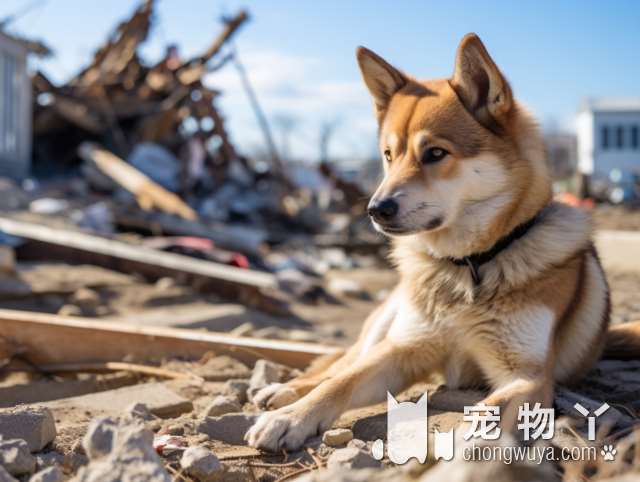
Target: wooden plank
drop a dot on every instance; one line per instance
(148, 193)
(58, 339)
(77, 247)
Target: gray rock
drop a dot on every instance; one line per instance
(35, 425)
(121, 451)
(337, 437)
(264, 373)
(49, 459)
(6, 476)
(16, 458)
(237, 388)
(222, 405)
(140, 411)
(228, 428)
(201, 464)
(357, 443)
(352, 458)
(50, 474)
(100, 437)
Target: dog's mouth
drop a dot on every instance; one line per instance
(396, 230)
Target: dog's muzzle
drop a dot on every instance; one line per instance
(382, 211)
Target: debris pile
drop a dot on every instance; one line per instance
(156, 132)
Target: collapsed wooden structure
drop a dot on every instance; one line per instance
(119, 101)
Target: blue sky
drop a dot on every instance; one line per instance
(300, 54)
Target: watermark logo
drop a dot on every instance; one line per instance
(407, 434)
(406, 429)
(591, 419)
(609, 453)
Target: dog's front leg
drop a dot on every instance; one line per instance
(387, 367)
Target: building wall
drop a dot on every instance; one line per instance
(584, 132)
(15, 110)
(611, 142)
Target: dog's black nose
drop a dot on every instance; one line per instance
(383, 211)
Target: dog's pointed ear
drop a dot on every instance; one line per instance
(381, 78)
(480, 85)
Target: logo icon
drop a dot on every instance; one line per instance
(443, 445)
(591, 419)
(407, 432)
(608, 452)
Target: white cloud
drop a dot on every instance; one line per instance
(295, 87)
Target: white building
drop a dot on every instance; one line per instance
(15, 108)
(608, 131)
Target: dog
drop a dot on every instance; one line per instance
(498, 283)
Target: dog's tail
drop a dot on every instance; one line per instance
(623, 341)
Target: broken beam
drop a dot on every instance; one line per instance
(49, 339)
(77, 247)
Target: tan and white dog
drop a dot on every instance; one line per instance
(498, 283)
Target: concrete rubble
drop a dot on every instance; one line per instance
(337, 437)
(202, 464)
(222, 405)
(6, 476)
(16, 458)
(229, 428)
(35, 425)
(50, 474)
(120, 451)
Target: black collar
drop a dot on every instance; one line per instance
(474, 261)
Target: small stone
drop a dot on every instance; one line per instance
(352, 458)
(201, 464)
(50, 474)
(140, 412)
(337, 437)
(16, 458)
(222, 405)
(49, 459)
(237, 388)
(70, 310)
(228, 428)
(357, 443)
(35, 425)
(119, 451)
(264, 373)
(6, 476)
(99, 439)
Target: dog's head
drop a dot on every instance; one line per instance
(458, 153)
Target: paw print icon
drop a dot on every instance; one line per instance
(608, 452)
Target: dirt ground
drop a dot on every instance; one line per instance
(335, 319)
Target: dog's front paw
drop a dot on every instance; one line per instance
(285, 428)
(276, 395)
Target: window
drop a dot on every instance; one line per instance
(634, 137)
(620, 137)
(605, 137)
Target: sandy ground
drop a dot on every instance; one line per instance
(96, 292)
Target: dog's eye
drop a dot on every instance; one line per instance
(387, 155)
(433, 154)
